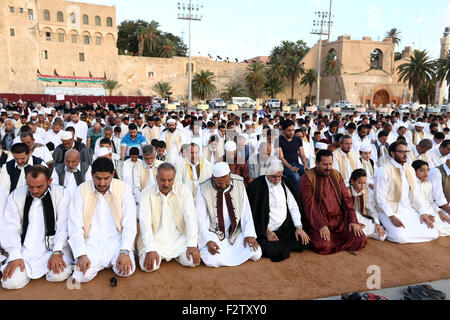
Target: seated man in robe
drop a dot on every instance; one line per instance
(72, 172)
(144, 175)
(34, 232)
(168, 223)
(275, 208)
(399, 202)
(227, 235)
(102, 224)
(330, 218)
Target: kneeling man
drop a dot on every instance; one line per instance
(276, 213)
(168, 223)
(102, 224)
(34, 232)
(227, 235)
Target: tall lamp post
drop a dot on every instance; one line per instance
(319, 25)
(190, 12)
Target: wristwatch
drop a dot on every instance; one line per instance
(58, 253)
(127, 252)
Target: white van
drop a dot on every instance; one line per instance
(243, 102)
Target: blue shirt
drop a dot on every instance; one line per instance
(130, 143)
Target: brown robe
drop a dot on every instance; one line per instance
(239, 167)
(334, 210)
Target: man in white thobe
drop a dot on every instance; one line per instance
(72, 172)
(145, 176)
(345, 160)
(102, 224)
(129, 165)
(168, 223)
(34, 232)
(222, 206)
(399, 201)
(174, 139)
(438, 156)
(81, 128)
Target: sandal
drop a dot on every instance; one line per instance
(371, 296)
(417, 293)
(352, 296)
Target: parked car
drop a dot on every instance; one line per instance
(243, 102)
(274, 103)
(345, 105)
(444, 108)
(217, 103)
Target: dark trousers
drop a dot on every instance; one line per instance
(294, 176)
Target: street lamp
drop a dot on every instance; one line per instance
(190, 12)
(319, 25)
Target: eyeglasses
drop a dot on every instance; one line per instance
(403, 152)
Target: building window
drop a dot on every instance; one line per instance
(98, 41)
(85, 19)
(11, 9)
(74, 38)
(12, 32)
(30, 14)
(21, 10)
(86, 39)
(47, 15)
(73, 18)
(61, 37)
(60, 16)
(109, 22)
(151, 75)
(376, 59)
(98, 21)
(48, 36)
(45, 54)
(81, 57)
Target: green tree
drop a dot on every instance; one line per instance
(394, 34)
(294, 69)
(255, 78)
(203, 84)
(166, 48)
(153, 35)
(274, 86)
(142, 35)
(161, 88)
(397, 56)
(333, 67)
(308, 80)
(443, 69)
(232, 90)
(417, 71)
(111, 85)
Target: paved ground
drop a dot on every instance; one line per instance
(397, 293)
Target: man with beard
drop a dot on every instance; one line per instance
(399, 201)
(54, 135)
(130, 140)
(102, 224)
(174, 139)
(345, 160)
(330, 218)
(72, 172)
(34, 232)
(81, 127)
(276, 213)
(68, 142)
(227, 235)
(332, 130)
(144, 175)
(360, 137)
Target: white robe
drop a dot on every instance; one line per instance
(414, 231)
(184, 177)
(432, 208)
(33, 251)
(348, 168)
(229, 255)
(5, 179)
(168, 241)
(104, 241)
(128, 169)
(69, 180)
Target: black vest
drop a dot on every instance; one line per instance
(14, 172)
(78, 175)
(377, 146)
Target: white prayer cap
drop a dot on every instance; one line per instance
(321, 146)
(273, 166)
(41, 114)
(102, 152)
(34, 114)
(230, 146)
(419, 124)
(365, 147)
(66, 135)
(220, 169)
(248, 123)
(171, 121)
(15, 112)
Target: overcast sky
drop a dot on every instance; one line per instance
(248, 28)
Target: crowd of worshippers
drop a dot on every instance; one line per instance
(86, 190)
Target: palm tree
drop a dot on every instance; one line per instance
(142, 34)
(161, 88)
(418, 71)
(203, 84)
(443, 69)
(111, 85)
(167, 49)
(294, 69)
(232, 90)
(276, 69)
(394, 34)
(152, 35)
(274, 86)
(255, 78)
(333, 67)
(308, 79)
